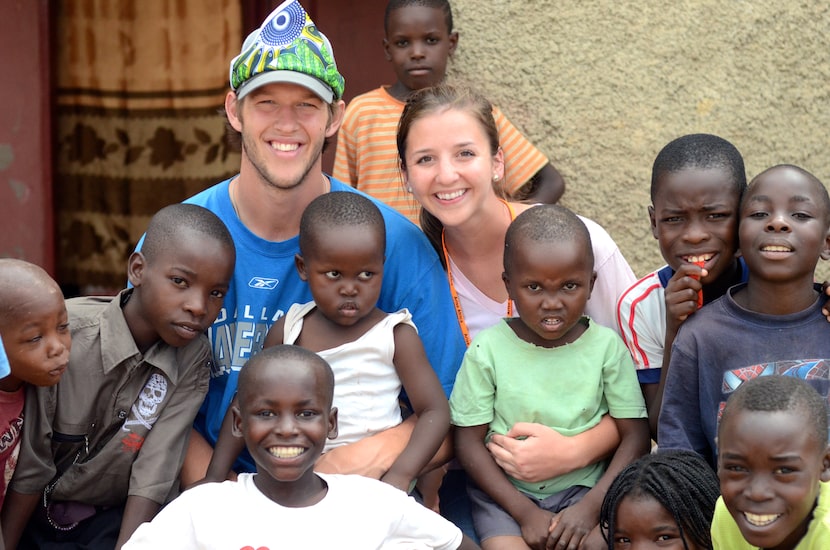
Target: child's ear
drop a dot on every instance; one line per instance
(236, 427)
(593, 280)
(333, 423)
(825, 253)
(653, 221)
(135, 268)
(825, 465)
(453, 42)
(386, 52)
(299, 262)
(506, 279)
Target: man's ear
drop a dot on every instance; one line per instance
(338, 110)
(232, 111)
(333, 423)
(652, 221)
(825, 465)
(299, 262)
(135, 268)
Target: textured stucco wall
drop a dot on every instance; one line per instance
(602, 86)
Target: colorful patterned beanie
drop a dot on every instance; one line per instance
(287, 48)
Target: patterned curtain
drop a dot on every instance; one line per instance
(138, 89)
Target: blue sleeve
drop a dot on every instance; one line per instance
(649, 376)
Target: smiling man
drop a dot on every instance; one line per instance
(285, 102)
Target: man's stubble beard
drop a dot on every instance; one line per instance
(267, 176)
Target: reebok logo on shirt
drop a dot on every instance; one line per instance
(263, 283)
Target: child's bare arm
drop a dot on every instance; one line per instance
(137, 510)
(275, 334)
(574, 523)
(480, 466)
(227, 449)
(428, 402)
(534, 452)
(681, 301)
(546, 186)
(17, 509)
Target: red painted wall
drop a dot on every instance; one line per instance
(25, 133)
(355, 29)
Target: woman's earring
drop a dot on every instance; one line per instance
(495, 177)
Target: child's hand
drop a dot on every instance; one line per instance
(570, 526)
(524, 452)
(682, 294)
(825, 287)
(535, 528)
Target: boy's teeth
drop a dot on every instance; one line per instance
(695, 259)
(450, 196)
(776, 248)
(286, 452)
(284, 146)
(759, 520)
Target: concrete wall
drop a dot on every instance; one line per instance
(602, 86)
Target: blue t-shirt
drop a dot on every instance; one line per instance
(265, 284)
(722, 346)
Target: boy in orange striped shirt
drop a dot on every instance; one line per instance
(419, 41)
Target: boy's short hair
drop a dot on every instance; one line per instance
(442, 5)
(13, 273)
(700, 151)
(168, 223)
(823, 197)
(339, 209)
(776, 393)
(280, 354)
(547, 223)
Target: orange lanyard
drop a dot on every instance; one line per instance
(455, 300)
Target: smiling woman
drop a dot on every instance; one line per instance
(448, 144)
(450, 156)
